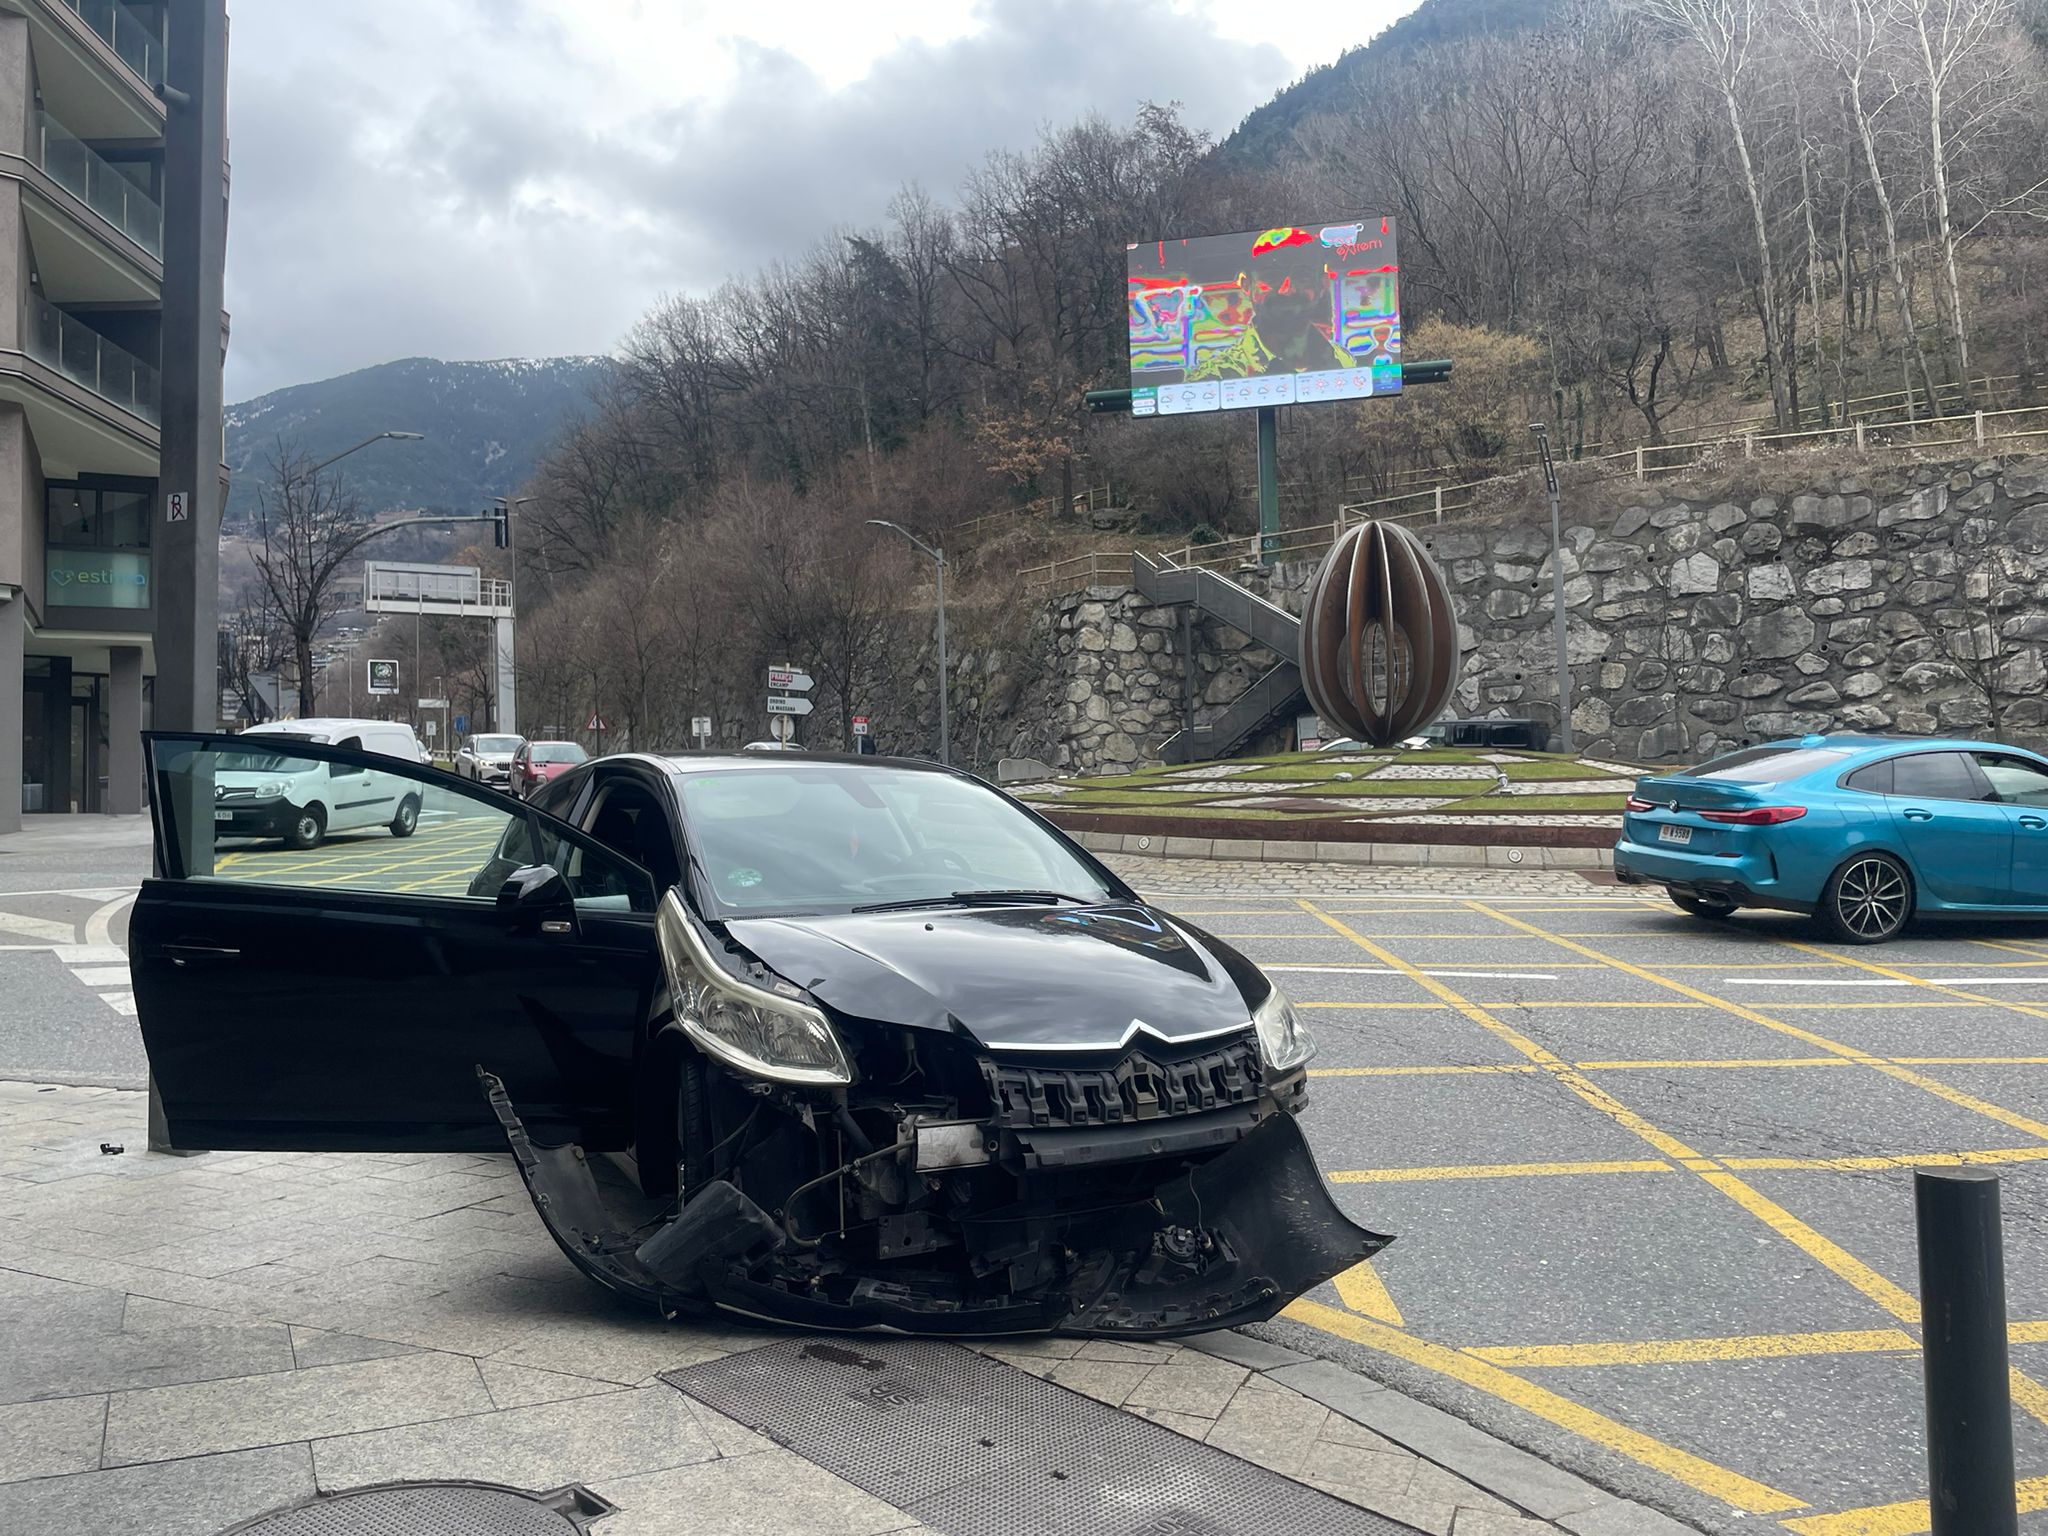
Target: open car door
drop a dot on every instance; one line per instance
(343, 997)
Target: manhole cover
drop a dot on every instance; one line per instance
(974, 1447)
(433, 1509)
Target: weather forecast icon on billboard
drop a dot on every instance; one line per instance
(1285, 316)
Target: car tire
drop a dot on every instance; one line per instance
(1867, 900)
(1701, 906)
(408, 817)
(307, 828)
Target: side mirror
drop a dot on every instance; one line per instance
(536, 897)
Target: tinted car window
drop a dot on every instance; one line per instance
(2014, 780)
(1768, 765)
(1875, 779)
(1935, 776)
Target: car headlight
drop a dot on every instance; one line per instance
(1283, 1039)
(742, 1025)
(269, 791)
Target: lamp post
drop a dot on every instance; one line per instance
(396, 437)
(1564, 670)
(945, 677)
(505, 715)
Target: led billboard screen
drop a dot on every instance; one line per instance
(1283, 316)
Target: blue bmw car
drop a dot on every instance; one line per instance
(1862, 832)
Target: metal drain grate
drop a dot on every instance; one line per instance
(433, 1509)
(974, 1447)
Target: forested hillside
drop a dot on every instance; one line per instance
(1635, 219)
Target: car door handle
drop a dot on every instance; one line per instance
(200, 954)
(1917, 814)
(2036, 823)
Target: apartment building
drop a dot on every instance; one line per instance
(84, 506)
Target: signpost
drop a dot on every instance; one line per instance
(861, 726)
(786, 700)
(383, 677)
(700, 728)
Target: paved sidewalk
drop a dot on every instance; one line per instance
(186, 1342)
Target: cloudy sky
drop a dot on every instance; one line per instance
(493, 178)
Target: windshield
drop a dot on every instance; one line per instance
(494, 744)
(253, 761)
(557, 752)
(808, 837)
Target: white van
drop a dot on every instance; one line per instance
(265, 792)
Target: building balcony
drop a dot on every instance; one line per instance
(133, 40)
(87, 358)
(100, 184)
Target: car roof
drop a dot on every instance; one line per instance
(1872, 745)
(327, 723)
(691, 764)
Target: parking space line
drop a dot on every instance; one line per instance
(1694, 1066)
(1401, 1007)
(1884, 981)
(1495, 1171)
(1760, 1346)
(1510, 1067)
(1718, 1482)
(1957, 1097)
(1918, 981)
(1364, 1292)
(1911, 1518)
(1874, 1162)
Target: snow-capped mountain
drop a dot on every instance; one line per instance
(485, 424)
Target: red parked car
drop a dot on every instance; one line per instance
(538, 761)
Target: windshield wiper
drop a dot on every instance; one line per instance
(979, 899)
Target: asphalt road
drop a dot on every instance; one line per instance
(1650, 1176)
(1651, 1181)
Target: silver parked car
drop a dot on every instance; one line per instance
(488, 759)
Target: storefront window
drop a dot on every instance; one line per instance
(124, 519)
(98, 517)
(73, 518)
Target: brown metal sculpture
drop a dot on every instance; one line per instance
(1379, 637)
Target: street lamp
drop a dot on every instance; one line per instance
(506, 713)
(396, 437)
(1564, 671)
(945, 708)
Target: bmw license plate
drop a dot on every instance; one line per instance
(1674, 834)
(223, 815)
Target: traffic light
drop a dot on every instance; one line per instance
(501, 523)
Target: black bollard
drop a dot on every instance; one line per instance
(1962, 1317)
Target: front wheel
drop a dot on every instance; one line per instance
(408, 817)
(1867, 900)
(1702, 906)
(307, 828)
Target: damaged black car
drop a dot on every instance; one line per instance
(831, 1042)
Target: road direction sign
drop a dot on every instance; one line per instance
(700, 725)
(778, 706)
(791, 679)
(860, 725)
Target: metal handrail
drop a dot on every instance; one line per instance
(95, 181)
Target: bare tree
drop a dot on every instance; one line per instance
(310, 525)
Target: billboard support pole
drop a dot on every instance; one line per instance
(1269, 482)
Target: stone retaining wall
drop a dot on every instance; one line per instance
(1908, 598)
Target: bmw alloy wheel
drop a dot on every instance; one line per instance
(1871, 900)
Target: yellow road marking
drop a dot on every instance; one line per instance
(1364, 1292)
(1919, 981)
(2022, 1123)
(1873, 1163)
(1465, 1069)
(1761, 1346)
(1718, 1482)
(1748, 1061)
(1494, 1171)
(1911, 1518)
(1411, 1007)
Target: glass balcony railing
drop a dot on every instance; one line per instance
(135, 40)
(84, 356)
(98, 183)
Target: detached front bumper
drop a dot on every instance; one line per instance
(1227, 1239)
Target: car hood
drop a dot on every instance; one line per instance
(1026, 978)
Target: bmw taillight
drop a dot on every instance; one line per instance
(1760, 816)
(1638, 803)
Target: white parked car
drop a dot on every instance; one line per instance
(488, 759)
(266, 792)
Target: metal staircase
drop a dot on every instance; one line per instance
(1275, 692)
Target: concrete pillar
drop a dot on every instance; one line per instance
(13, 631)
(508, 707)
(124, 730)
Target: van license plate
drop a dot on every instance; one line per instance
(1671, 834)
(223, 815)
